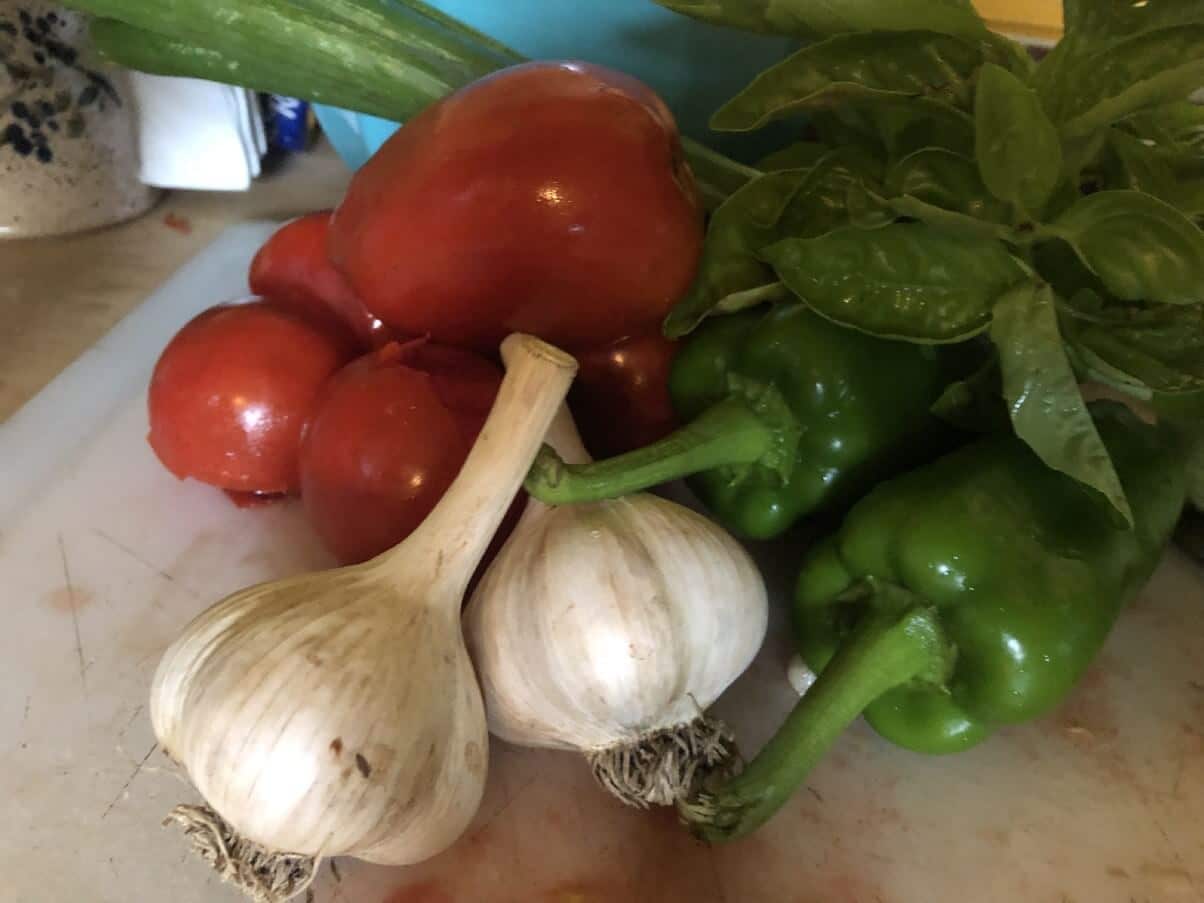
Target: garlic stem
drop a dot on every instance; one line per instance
(463, 523)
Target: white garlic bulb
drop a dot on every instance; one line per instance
(609, 627)
(338, 712)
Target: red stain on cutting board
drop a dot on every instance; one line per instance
(69, 599)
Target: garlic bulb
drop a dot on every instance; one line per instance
(338, 712)
(608, 627)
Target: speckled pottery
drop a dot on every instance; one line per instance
(68, 145)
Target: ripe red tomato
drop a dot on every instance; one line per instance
(549, 198)
(233, 390)
(387, 438)
(292, 269)
(620, 398)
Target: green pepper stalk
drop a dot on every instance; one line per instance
(968, 594)
(389, 59)
(791, 414)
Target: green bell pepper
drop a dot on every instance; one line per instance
(790, 414)
(968, 594)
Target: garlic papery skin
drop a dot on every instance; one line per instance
(338, 713)
(608, 628)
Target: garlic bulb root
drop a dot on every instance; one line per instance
(665, 766)
(263, 875)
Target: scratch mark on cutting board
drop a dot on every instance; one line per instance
(717, 877)
(25, 717)
(122, 547)
(79, 646)
(1182, 869)
(137, 711)
(128, 781)
(510, 800)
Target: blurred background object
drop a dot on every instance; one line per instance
(1037, 21)
(68, 136)
(694, 66)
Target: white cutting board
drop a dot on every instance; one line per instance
(104, 557)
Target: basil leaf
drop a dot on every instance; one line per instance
(1159, 348)
(800, 155)
(903, 281)
(739, 227)
(1039, 385)
(717, 176)
(949, 220)
(825, 17)
(799, 202)
(907, 125)
(1141, 248)
(945, 179)
(1143, 71)
(905, 63)
(1134, 164)
(975, 404)
(1018, 149)
(1170, 124)
(1103, 21)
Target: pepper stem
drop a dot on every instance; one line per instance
(729, 432)
(887, 649)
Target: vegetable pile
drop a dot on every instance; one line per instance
(889, 330)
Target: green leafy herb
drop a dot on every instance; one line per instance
(1141, 248)
(1018, 149)
(1047, 409)
(800, 155)
(1105, 21)
(863, 66)
(1159, 348)
(1146, 70)
(905, 281)
(806, 202)
(1163, 173)
(945, 179)
(825, 17)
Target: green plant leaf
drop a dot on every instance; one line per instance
(975, 404)
(904, 281)
(945, 179)
(861, 66)
(1104, 21)
(828, 17)
(1018, 149)
(1141, 248)
(1169, 124)
(949, 220)
(717, 176)
(1149, 69)
(1047, 409)
(804, 202)
(800, 155)
(1134, 164)
(1160, 348)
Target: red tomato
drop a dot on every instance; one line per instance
(292, 268)
(389, 435)
(232, 392)
(549, 198)
(620, 398)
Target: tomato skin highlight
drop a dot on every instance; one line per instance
(549, 198)
(293, 269)
(620, 398)
(389, 434)
(232, 391)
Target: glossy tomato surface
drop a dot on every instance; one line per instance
(232, 391)
(292, 269)
(620, 398)
(389, 435)
(549, 198)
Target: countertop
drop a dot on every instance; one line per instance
(59, 296)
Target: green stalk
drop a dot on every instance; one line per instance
(729, 432)
(390, 58)
(888, 648)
